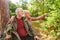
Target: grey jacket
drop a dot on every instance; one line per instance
(12, 27)
(28, 26)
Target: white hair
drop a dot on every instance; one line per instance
(18, 9)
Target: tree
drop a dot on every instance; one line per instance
(12, 8)
(4, 13)
(24, 4)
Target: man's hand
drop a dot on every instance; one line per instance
(12, 19)
(8, 36)
(36, 38)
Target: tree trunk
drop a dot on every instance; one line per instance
(4, 13)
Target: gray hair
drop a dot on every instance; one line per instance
(18, 10)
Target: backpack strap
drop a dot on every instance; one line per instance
(10, 28)
(29, 26)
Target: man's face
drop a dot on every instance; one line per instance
(20, 12)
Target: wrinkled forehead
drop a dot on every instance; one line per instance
(19, 9)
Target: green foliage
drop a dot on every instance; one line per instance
(50, 24)
(13, 6)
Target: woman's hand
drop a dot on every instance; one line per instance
(46, 14)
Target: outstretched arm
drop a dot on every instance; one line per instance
(36, 18)
(39, 17)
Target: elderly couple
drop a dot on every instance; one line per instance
(21, 30)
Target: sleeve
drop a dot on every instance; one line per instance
(31, 29)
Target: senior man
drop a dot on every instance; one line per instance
(25, 33)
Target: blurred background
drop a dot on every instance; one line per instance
(48, 28)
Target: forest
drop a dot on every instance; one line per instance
(49, 27)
